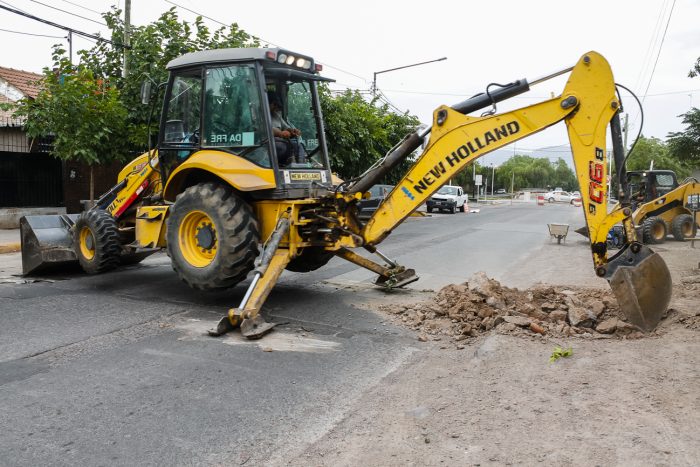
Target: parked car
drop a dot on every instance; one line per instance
(448, 198)
(560, 196)
(377, 193)
(501, 191)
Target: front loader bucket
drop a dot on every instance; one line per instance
(47, 242)
(641, 282)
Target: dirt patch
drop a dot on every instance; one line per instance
(482, 305)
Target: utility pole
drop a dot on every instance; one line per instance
(70, 46)
(127, 36)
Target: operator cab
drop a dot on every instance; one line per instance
(647, 185)
(218, 100)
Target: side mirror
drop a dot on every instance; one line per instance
(145, 92)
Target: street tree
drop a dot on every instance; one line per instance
(684, 145)
(647, 150)
(80, 111)
(359, 132)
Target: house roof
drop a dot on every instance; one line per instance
(25, 81)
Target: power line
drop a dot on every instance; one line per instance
(65, 28)
(68, 12)
(83, 7)
(30, 34)
(670, 14)
(652, 45)
(258, 37)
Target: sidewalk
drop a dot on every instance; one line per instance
(9, 240)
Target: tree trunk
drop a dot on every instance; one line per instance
(92, 186)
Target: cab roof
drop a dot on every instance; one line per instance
(228, 55)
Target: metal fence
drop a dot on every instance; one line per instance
(30, 180)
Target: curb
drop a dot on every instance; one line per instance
(10, 248)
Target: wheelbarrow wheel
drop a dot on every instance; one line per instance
(96, 241)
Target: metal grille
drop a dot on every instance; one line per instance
(30, 180)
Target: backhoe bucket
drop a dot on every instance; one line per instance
(47, 242)
(641, 283)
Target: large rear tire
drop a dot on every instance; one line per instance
(212, 237)
(682, 227)
(96, 241)
(310, 259)
(654, 230)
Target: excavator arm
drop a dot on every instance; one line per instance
(588, 105)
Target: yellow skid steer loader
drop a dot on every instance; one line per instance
(223, 195)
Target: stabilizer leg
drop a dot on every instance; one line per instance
(246, 316)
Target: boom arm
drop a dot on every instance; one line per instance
(639, 277)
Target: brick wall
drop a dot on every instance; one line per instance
(76, 182)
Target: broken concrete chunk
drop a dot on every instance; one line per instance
(481, 284)
(608, 326)
(558, 315)
(518, 321)
(597, 308)
(581, 317)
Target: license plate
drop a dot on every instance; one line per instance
(304, 176)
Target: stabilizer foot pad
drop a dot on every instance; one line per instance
(255, 328)
(222, 327)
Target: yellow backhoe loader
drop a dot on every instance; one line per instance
(218, 196)
(660, 204)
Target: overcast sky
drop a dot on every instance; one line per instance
(484, 42)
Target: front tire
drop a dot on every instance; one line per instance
(682, 227)
(96, 241)
(654, 230)
(212, 237)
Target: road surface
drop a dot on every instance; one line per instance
(116, 369)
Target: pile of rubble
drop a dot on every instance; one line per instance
(483, 304)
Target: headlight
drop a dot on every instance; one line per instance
(290, 60)
(281, 58)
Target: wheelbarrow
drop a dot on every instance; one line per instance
(558, 231)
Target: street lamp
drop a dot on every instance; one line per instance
(374, 81)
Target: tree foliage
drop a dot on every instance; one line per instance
(535, 172)
(695, 71)
(81, 111)
(360, 132)
(684, 145)
(647, 150)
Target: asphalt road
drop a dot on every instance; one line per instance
(116, 369)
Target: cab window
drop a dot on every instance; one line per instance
(300, 114)
(232, 113)
(183, 112)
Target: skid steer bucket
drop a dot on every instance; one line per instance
(641, 282)
(47, 242)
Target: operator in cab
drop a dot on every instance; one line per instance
(287, 143)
